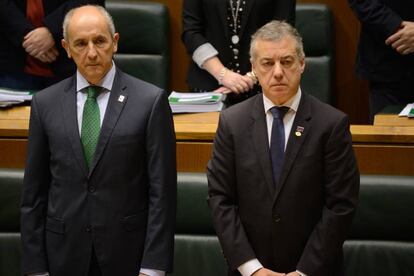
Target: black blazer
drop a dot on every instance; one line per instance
(302, 223)
(206, 21)
(14, 26)
(124, 206)
(379, 19)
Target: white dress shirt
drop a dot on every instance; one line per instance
(251, 266)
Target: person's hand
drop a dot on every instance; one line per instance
(237, 83)
(142, 274)
(223, 90)
(267, 272)
(38, 42)
(294, 273)
(49, 56)
(403, 40)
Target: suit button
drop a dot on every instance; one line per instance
(89, 229)
(277, 219)
(91, 189)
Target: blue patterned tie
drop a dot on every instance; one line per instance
(91, 124)
(277, 141)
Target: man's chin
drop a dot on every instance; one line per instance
(279, 90)
(94, 78)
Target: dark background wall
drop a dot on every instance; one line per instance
(351, 93)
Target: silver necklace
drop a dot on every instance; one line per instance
(235, 14)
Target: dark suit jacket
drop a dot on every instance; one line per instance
(124, 206)
(380, 19)
(206, 21)
(14, 26)
(302, 223)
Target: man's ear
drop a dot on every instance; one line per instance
(65, 46)
(115, 40)
(302, 65)
(253, 66)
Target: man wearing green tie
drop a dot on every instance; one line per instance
(100, 182)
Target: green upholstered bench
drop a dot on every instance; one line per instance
(197, 249)
(143, 49)
(11, 183)
(381, 241)
(315, 24)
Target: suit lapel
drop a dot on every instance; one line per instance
(302, 123)
(117, 100)
(261, 142)
(70, 118)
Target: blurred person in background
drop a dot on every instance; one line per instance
(31, 56)
(385, 54)
(217, 34)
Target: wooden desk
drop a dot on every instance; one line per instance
(379, 149)
(393, 120)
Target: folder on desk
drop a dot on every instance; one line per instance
(408, 111)
(11, 97)
(187, 102)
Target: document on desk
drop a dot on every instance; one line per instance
(11, 97)
(408, 111)
(188, 102)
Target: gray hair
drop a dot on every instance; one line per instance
(274, 31)
(102, 10)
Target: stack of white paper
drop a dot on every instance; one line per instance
(184, 102)
(408, 111)
(10, 97)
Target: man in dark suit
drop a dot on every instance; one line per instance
(284, 210)
(31, 56)
(100, 182)
(386, 51)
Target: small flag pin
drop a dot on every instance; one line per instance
(299, 130)
(121, 98)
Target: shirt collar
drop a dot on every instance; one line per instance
(107, 80)
(292, 103)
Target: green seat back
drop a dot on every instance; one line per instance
(143, 49)
(315, 24)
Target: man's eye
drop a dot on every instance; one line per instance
(80, 44)
(100, 41)
(268, 63)
(287, 63)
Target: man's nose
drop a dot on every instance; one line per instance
(91, 50)
(277, 70)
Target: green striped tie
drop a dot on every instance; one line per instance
(91, 124)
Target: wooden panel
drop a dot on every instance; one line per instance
(379, 149)
(196, 127)
(382, 159)
(193, 157)
(13, 153)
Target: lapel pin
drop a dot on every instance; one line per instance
(121, 98)
(299, 130)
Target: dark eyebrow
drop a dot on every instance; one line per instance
(78, 40)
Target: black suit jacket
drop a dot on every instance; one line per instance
(300, 224)
(380, 19)
(124, 206)
(14, 26)
(206, 21)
